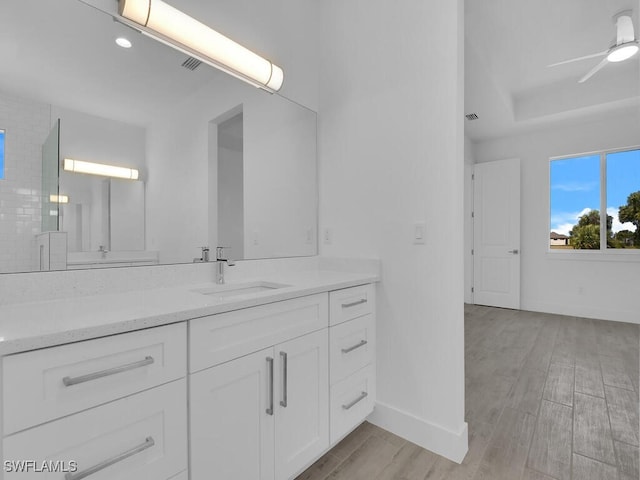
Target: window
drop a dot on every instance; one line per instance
(1, 154)
(592, 190)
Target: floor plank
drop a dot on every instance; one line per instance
(589, 380)
(410, 463)
(591, 430)
(551, 446)
(372, 457)
(588, 469)
(614, 373)
(623, 412)
(507, 452)
(628, 459)
(527, 391)
(559, 385)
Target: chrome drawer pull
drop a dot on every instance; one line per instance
(270, 363)
(353, 304)
(362, 396)
(358, 345)
(148, 443)
(283, 402)
(68, 381)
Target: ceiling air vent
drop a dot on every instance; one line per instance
(471, 116)
(191, 63)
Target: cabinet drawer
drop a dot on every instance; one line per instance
(223, 337)
(143, 436)
(42, 385)
(351, 303)
(352, 400)
(352, 346)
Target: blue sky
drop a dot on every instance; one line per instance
(575, 187)
(1, 153)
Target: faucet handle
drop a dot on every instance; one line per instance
(219, 252)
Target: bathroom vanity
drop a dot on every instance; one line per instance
(249, 380)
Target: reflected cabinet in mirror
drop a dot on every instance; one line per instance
(138, 156)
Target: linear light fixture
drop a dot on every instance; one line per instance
(79, 166)
(186, 34)
(59, 198)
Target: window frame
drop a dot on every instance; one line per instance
(604, 253)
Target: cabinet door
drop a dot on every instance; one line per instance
(231, 427)
(302, 407)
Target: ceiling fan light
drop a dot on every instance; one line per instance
(622, 52)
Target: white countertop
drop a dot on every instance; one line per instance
(32, 325)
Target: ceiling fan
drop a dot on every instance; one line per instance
(626, 46)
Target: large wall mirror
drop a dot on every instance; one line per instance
(218, 162)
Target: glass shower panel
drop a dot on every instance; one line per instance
(50, 180)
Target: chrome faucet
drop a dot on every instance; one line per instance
(204, 257)
(102, 249)
(220, 267)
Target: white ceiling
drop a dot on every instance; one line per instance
(508, 45)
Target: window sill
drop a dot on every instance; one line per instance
(596, 255)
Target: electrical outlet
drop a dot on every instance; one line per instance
(327, 236)
(419, 233)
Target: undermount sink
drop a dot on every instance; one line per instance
(223, 292)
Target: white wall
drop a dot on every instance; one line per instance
(26, 125)
(586, 284)
(391, 154)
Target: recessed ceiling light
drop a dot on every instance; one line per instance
(123, 42)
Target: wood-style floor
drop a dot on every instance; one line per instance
(548, 397)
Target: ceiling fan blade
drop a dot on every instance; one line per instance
(594, 70)
(624, 28)
(586, 57)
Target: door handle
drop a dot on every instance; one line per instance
(270, 383)
(515, 251)
(283, 402)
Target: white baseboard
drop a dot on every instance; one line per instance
(609, 313)
(449, 444)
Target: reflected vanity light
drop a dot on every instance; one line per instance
(59, 198)
(186, 34)
(79, 166)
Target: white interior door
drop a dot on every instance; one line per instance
(496, 234)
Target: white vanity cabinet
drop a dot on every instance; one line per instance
(352, 358)
(273, 387)
(263, 415)
(114, 406)
(256, 393)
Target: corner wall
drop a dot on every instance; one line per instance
(391, 153)
(586, 284)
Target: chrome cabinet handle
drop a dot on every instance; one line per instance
(270, 363)
(283, 402)
(515, 252)
(148, 443)
(358, 345)
(362, 396)
(68, 381)
(353, 304)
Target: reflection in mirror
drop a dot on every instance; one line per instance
(221, 162)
